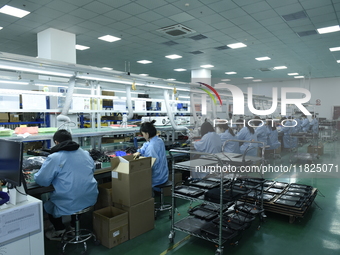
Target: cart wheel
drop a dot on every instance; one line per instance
(171, 236)
(259, 227)
(97, 242)
(219, 251)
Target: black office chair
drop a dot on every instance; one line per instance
(163, 206)
(78, 235)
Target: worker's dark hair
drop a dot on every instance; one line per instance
(225, 126)
(251, 129)
(62, 135)
(206, 128)
(270, 123)
(257, 121)
(148, 127)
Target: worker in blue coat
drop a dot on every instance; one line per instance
(228, 134)
(261, 131)
(314, 125)
(155, 148)
(247, 133)
(70, 170)
(305, 124)
(209, 143)
(289, 141)
(273, 137)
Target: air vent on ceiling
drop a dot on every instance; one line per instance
(222, 47)
(265, 69)
(198, 37)
(294, 16)
(176, 30)
(170, 43)
(307, 33)
(196, 52)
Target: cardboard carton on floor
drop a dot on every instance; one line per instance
(131, 180)
(111, 226)
(141, 217)
(315, 149)
(104, 196)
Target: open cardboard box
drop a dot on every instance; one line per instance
(131, 180)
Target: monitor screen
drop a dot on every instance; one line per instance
(11, 153)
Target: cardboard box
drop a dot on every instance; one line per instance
(141, 217)
(105, 195)
(178, 180)
(131, 181)
(3, 117)
(111, 226)
(108, 139)
(14, 118)
(315, 149)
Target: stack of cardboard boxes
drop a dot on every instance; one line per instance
(132, 194)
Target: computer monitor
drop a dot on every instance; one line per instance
(11, 153)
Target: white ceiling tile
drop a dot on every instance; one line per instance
(134, 21)
(288, 9)
(234, 13)
(280, 3)
(221, 6)
(222, 24)
(212, 19)
(84, 13)
(152, 4)
(271, 21)
(264, 15)
(48, 12)
(133, 8)
(149, 16)
(102, 20)
(114, 4)
(311, 4)
(256, 7)
(181, 17)
(167, 10)
(64, 7)
(74, 2)
(117, 15)
(98, 7)
(320, 11)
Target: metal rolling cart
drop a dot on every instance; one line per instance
(221, 206)
(328, 130)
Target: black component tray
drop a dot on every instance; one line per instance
(204, 184)
(202, 213)
(188, 191)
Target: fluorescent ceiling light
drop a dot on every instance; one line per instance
(32, 70)
(144, 74)
(1, 28)
(82, 88)
(180, 69)
(279, 67)
(174, 56)
(299, 77)
(331, 29)
(293, 73)
(171, 79)
(144, 61)
(179, 89)
(236, 45)
(334, 49)
(14, 82)
(160, 87)
(109, 38)
(338, 61)
(50, 85)
(183, 97)
(96, 78)
(13, 11)
(225, 80)
(257, 80)
(230, 73)
(262, 58)
(248, 78)
(107, 68)
(81, 47)
(207, 66)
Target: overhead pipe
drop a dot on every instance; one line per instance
(170, 113)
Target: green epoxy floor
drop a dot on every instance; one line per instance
(317, 233)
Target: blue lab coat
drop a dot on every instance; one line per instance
(155, 148)
(233, 147)
(210, 143)
(262, 134)
(71, 174)
(273, 139)
(298, 126)
(244, 134)
(289, 141)
(315, 126)
(305, 125)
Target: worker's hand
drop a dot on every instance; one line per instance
(136, 155)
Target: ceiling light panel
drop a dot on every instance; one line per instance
(180, 70)
(16, 12)
(229, 73)
(263, 58)
(338, 61)
(257, 80)
(293, 74)
(107, 68)
(144, 62)
(236, 45)
(109, 38)
(207, 66)
(248, 78)
(173, 56)
(331, 29)
(280, 67)
(334, 49)
(299, 77)
(81, 47)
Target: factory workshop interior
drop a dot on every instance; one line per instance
(169, 127)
